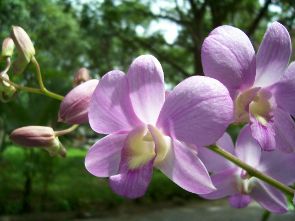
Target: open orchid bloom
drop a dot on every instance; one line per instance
(233, 182)
(147, 130)
(262, 86)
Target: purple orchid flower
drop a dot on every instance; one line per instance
(233, 182)
(147, 130)
(262, 87)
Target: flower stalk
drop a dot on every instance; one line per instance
(252, 171)
(66, 131)
(22, 88)
(43, 89)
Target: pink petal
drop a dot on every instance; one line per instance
(146, 86)
(228, 56)
(269, 198)
(284, 130)
(183, 167)
(75, 105)
(132, 183)
(284, 93)
(239, 200)
(197, 111)
(213, 162)
(247, 148)
(225, 183)
(290, 71)
(103, 158)
(110, 108)
(264, 134)
(278, 165)
(273, 55)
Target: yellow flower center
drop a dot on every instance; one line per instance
(145, 144)
(255, 102)
(245, 186)
(260, 107)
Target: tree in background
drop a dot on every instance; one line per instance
(102, 35)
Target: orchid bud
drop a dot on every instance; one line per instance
(4, 83)
(23, 42)
(19, 65)
(7, 47)
(38, 136)
(81, 76)
(74, 107)
(7, 91)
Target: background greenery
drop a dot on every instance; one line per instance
(102, 35)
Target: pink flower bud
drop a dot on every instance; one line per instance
(81, 76)
(38, 136)
(23, 42)
(74, 107)
(34, 136)
(7, 47)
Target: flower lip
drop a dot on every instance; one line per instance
(261, 107)
(256, 102)
(245, 183)
(146, 143)
(242, 103)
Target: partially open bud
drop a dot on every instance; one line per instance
(23, 42)
(7, 47)
(38, 136)
(74, 107)
(81, 76)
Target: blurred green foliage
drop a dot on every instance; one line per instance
(103, 35)
(64, 185)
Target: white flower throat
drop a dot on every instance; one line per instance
(245, 185)
(144, 144)
(256, 103)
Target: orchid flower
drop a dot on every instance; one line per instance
(233, 182)
(147, 130)
(262, 86)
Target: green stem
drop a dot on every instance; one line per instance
(41, 84)
(23, 88)
(66, 131)
(8, 64)
(252, 171)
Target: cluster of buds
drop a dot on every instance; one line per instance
(73, 109)
(26, 51)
